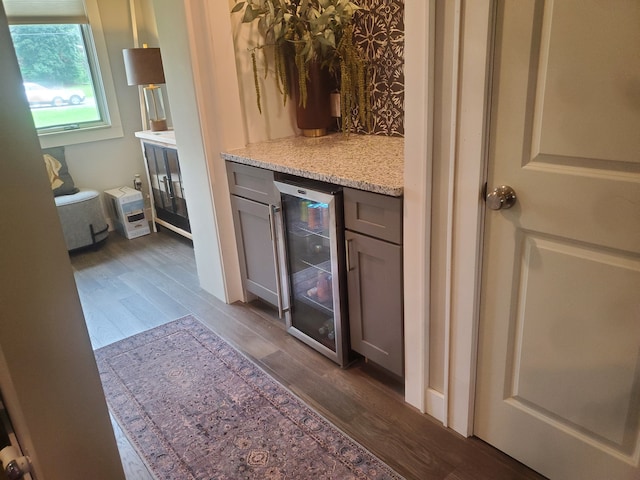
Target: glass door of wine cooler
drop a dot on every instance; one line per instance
(311, 263)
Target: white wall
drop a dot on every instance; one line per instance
(276, 120)
(48, 375)
(196, 43)
(419, 48)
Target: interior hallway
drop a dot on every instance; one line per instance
(128, 286)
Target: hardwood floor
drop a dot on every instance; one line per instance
(128, 286)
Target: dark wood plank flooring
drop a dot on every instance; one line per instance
(128, 286)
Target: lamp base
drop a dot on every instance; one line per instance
(158, 125)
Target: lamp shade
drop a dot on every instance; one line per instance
(143, 66)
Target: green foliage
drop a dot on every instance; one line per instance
(354, 82)
(305, 31)
(50, 54)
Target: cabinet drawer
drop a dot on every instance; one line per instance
(252, 182)
(376, 215)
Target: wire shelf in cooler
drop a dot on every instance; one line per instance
(320, 267)
(313, 286)
(301, 229)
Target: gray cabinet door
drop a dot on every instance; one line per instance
(374, 281)
(254, 237)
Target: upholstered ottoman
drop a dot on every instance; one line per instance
(82, 219)
(79, 209)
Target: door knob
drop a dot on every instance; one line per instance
(502, 197)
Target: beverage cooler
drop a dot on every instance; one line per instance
(312, 265)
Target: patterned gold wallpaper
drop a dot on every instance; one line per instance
(380, 34)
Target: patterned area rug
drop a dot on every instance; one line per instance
(196, 408)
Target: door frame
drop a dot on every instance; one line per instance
(466, 242)
(470, 31)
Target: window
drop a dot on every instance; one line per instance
(58, 79)
(62, 57)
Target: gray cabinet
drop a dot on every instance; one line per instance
(374, 277)
(253, 197)
(373, 234)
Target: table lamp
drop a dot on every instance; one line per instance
(144, 67)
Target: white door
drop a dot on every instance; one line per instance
(558, 382)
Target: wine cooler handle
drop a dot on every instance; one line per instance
(348, 253)
(273, 210)
(165, 180)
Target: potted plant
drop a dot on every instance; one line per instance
(312, 42)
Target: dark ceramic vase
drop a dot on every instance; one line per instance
(315, 118)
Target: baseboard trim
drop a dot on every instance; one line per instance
(435, 404)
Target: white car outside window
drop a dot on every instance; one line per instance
(57, 97)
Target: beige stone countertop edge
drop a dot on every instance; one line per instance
(373, 164)
(345, 182)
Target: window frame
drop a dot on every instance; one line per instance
(103, 86)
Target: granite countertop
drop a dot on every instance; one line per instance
(366, 162)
